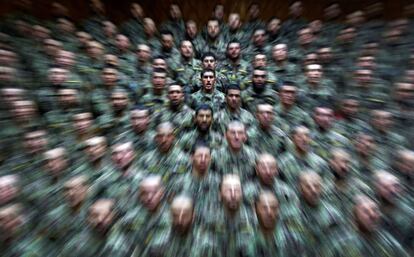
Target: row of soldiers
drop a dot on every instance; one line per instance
(293, 139)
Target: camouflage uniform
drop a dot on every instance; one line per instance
(324, 141)
(225, 116)
(310, 97)
(286, 119)
(216, 99)
(221, 82)
(211, 138)
(272, 140)
(184, 71)
(251, 97)
(235, 74)
(153, 101)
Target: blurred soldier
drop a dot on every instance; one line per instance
(349, 122)
(192, 35)
(265, 136)
(215, 42)
(134, 27)
(187, 67)
(235, 157)
(209, 61)
(203, 132)
(168, 50)
(175, 24)
(234, 31)
(141, 132)
(154, 96)
(234, 67)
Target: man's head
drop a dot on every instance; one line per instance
(143, 53)
(122, 42)
(266, 168)
(208, 79)
(280, 52)
(76, 190)
(201, 159)
(314, 73)
(287, 94)
(167, 40)
(159, 78)
(175, 12)
(182, 213)
(387, 187)
(140, 118)
(233, 97)
(267, 210)
(381, 120)
(101, 215)
(110, 76)
(349, 107)
(109, 29)
(24, 110)
(35, 142)
(340, 163)
(366, 213)
(259, 77)
(209, 61)
(159, 63)
(165, 136)
(82, 122)
(363, 77)
(265, 115)
(273, 26)
(305, 36)
(213, 28)
(175, 95)
(68, 97)
(296, 9)
(151, 192)
(56, 161)
(137, 11)
(123, 155)
(191, 29)
(186, 49)
(95, 148)
(231, 192)
(310, 186)
(364, 144)
(259, 37)
(301, 138)
(233, 50)
(11, 219)
(204, 117)
(119, 100)
(405, 163)
(95, 49)
(236, 135)
(253, 11)
(323, 117)
(57, 76)
(9, 188)
(234, 21)
(259, 61)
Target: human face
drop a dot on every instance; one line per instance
(167, 41)
(305, 36)
(186, 49)
(323, 117)
(123, 155)
(175, 95)
(8, 189)
(288, 95)
(151, 196)
(302, 139)
(119, 101)
(266, 169)
(233, 51)
(204, 118)
(279, 52)
(164, 139)
(109, 76)
(75, 191)
(259, 37)
(234, 21)
(382, 120)
(388, 189)
(259, 60)
(191, 29)
(367, 215)
(231, 193)
(350, 107)
(259, 78)
(201, 159)
(233, 99)
(95, 152)
(140, 120)
(265, 115)
(314, 73)
(340, 163)
(364, 145)
(56, 165)
(101, 215)
(159, 80)
(182, 217)
(213, 29)
(143, 53)
(236, 137)
(35, 142)
(82, 122)
(209, 63)
(209, 80)
(57, 76)
(311, 188)
(267, 210)
(159, 63)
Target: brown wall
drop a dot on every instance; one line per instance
(200, 10)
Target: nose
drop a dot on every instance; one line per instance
(233, 193)
(236, 135)
(203, 158)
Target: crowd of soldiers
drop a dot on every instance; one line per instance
(243, 139)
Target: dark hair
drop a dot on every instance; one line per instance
(203, 107)
(207, 70)
(208, 54)
(232, 87)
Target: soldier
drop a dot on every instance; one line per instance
(299, 156)
(321, 220)
(10, 189)
(201, 183)
(253, 20)
(192, 35)
(118, 119)
(274, 35)
(274, 236)
(203, 132)
(265, 136)
(234, 67)
(185, 69)
(349, 122)
(176, 23)
(155, 97)
(235, 156)
(281, 65)
(166, 159)
(403, 168)
(90, 66)
(258, 44)
(143, 68)
(232, 110)
(324, 137)
(259, 90)
(176, 110)
(288, 112)
(295, 22)
(234, 31)
(260, 61)
(126, 57)
(134, 27)
(147, 223)
(150, 37)
(141, 132)
(214, 41)
(168, 49)
(316, 88)
(231, 224)
(345, 182)
(208, 94)
(267, 178)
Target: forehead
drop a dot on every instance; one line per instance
(204, 112)
(280, 47)
(202, 150)
(231, 183)
(208, 74)
(212, 23)
(233, 92)
(314, 66)
(287, 88)
(186, 43)
(35, 134)
(174, 88)
(82, 116)
(139, 113)
(264, 108)
(118, 95)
